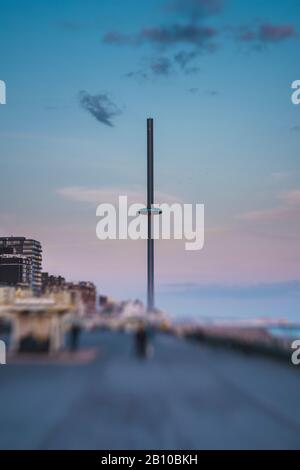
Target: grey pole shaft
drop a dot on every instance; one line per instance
(150, 201)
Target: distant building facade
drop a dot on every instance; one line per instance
(88, 294)
(21, 262)
(84, 290)
(52, 283)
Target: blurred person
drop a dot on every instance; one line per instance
(143, 347)
(74, 336)
(141, 341)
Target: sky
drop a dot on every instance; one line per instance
(83, 76)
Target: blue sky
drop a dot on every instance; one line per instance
(223, 131)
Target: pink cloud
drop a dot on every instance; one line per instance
(267, 33)
(292, 197)
(273, 33)
(265, 214)
(289, 209)
(110, 195)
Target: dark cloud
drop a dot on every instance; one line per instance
(178, 33)
(271, 33)
(192, 33)
(158, 66)
(190, 37)
(139, 74)
(267, 33)
(212, 92)
(117, 38)
(191, 70)
(161, 66)
(247, 36)
(99, 106)
(196, 9)
(295, 128)
(183, 58)
(193, 90)
(197, 35)
(71, 25)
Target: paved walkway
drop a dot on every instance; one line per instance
(186, 397)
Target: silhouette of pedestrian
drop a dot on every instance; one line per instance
(141, 342)
(74, 336)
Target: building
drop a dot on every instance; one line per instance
(88, 292)
(85, 291)
(24, 265)
(38, 323)
(7, 295)
(15, 270)
(52, 283)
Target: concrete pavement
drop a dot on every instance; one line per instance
(188, 396)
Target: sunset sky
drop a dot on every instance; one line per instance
(83, 76)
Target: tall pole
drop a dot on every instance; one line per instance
(150, 201)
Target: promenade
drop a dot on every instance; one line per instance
(187, 396)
